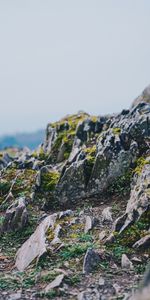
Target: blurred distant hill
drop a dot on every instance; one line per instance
(30, 140)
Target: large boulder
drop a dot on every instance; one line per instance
(117, 149)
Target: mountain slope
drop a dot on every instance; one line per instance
(75, 213)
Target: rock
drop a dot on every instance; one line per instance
(101, 281)
(107, 215)
(143, 242)
(35, 246)
(66, 213)
(15, 296)
(72, 184)
(139, 198)
(102, 235)
(56, 239)
(126, 263)
(143, 295)
(88, 224)
(117, 149)
(136, 260)
(55, 283)
(91, 261)
(144, 97)
(117, 288)
(144, 291)
(16, 216)
(110, 239)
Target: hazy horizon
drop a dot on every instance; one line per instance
(59, 57)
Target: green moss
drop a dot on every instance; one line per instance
(49, 181)
(73, 251)
(90, 160)
(25, 179)
(66, 130)
(133, 233)
(140, 163)
(4, 186)
(72, 121)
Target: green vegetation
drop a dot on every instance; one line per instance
(121, 186)
(66, 129)
(90, 160)
(75, 250)
(4, 187)
(116, 131)
(140, 163)
(135, 231)
(49, 181)
(123, 242)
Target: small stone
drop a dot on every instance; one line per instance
(126, 263)
(102, 235)
(66, 213)
(55, 283)
(101, 281)
(107, 215)
(117, 288)
(136, 260)
(15, 296)
(88, 224)
(143, 242)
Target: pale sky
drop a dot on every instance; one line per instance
(62, 56)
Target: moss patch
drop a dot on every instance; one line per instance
(49, 181)
(140, 163)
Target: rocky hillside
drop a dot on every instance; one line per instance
(75, 214)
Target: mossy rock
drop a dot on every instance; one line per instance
(140, 163)
(134, 232)
(49, 181)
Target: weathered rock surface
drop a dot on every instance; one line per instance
(139, 201)
(55, 283)
(16, 216)
(143, 242)
(117, 149)
(126, 263)
(91, 261)
(35, 246)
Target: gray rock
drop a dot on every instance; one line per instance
(107, 215)
(139, 201)
(118, 147)
(55, 283)
(144, 242)
(126, 263)
(91, 261)
(16, 216)
(144, 97)
(35, 246)
(102, 235)
(88, 224)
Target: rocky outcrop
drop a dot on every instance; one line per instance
(139, 201)
(144, 97)
(99, 169)
(16, 216)
(117, 149)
